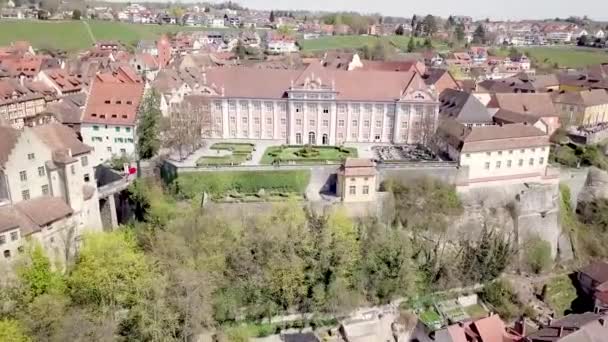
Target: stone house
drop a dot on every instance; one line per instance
(357, 181)
(586, 107)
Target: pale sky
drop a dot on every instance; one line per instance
(479, 9)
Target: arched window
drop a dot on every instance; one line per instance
(312, 139)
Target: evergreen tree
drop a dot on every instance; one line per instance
(271, 19)
(428, 44)
(149, 115)
(240, 50)
(429, 26)
(414, 21)
(479, 36)
(400, 31)
(411, 45)
(459, 32)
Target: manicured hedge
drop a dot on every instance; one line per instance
(190, 184)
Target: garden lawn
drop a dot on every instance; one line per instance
(559, 294)
(326, 153)
(190, 184)
(430, 317)
(476, 311)
(239, 153)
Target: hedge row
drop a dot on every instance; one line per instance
(190, 184)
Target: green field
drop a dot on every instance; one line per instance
(564, 57)
(354, 42)
(73, 35)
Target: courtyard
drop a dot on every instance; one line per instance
(307, 154)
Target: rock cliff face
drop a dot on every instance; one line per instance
(519, 211)
(596, 186)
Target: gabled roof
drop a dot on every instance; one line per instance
(539, 104)
(463, 107)
(9, 137)
(44, 210)
(598, 271)
(491, 138)
(59, 137)
(593, 97)
(114, 98)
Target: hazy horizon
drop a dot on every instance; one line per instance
(500, 10)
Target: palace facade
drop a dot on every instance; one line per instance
(318, 106)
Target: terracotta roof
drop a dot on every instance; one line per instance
(539, 104)
(65, 81)
(7, 142)
(597, 271)
(114, 98)
(583, 327)
(507, 116)
(587, 98)
(150, 61)
(490, 138)
(44, 210)
(394, 66)
(59, 137)
(11, 218)
(65, 112)
(490, 329)
(358, 167)
(12, 92)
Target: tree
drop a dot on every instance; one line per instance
(582, 41)
(76, 14)
(114, 279)
(50, 6)
(240, 50)
(414, 22)
(149, 116)
(400, 31)
(459, 32)
(513, 52)
(479, 36)
(380, 51)
(537, 253)
(428, 44)
(36, 274)
(184, 128)
(429, 26)
(271, 18)
(411, 45)
(11, 330)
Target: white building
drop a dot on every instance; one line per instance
(319, 105)
(47, 187)
(110, 117)
(499, 154)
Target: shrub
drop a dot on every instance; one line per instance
(501, 296)
(538, 255)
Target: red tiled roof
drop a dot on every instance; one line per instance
(539, 104)
(64, 80)
(114, 98)
(358, 167)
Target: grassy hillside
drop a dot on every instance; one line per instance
(354, 42)
(568, 57)
(73, 35)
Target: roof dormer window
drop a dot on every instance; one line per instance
(94, 115)
(124, 116)
(107, 102)
(102, 116)
(118, 102)
(114, 116)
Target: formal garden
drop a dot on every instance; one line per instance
(287, 154)
(227, 154)
(243, 186)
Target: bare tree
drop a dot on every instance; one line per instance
(187, 125)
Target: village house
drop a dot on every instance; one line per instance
(320, 106)
(585, 327)
(145, 65)
(497, 154)
(487, 329)
(357, 181)
(110, 117)
(582, 108)
(279, 44)
(538, 105)
(47, 188)
(18, 103)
